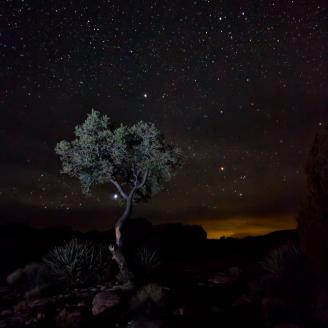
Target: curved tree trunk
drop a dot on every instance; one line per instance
(116, 250)
(119, 224)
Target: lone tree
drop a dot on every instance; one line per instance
(136, 160)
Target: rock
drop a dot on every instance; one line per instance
(15, 277)
(6, 313)
(274, 311)
(105, 301)
(313, 225)
(286, 325)
(234, 271)
(215, 308)
(186, 310)
(148, 324)
(36, 319)
(41, 305)
(20, 306)
(5, 291)
(312, 220)
(219, 279)
(73, 318)
(8, 297)
(31, 276)
(36, 293)
(242, 300)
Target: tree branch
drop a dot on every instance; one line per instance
(136, 177)
(119, 188)
(144, 179)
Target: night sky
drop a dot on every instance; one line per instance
(240, 86)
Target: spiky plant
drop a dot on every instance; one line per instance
(282, 260)
(152, 292)
(77, 262)
(146, 259)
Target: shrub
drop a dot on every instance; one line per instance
(152, 292)
(283, 260)
(31, 276)
(146, 259)
(149, 299)
(78, 263)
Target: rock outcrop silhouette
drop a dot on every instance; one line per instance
(313, 225)
(313, 219)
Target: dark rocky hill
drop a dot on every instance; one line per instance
(22, 244)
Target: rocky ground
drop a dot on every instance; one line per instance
(204, 283)
(193, 301)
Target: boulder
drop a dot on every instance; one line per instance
(105, 301)
(8, 297)
(73, 318)
(313, 219)
(144, 323)
(313, 225)
(31, 276)
(275, 311)
(219, 279)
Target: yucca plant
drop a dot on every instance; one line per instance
(77, 262)
(146, 259)
(282, 260)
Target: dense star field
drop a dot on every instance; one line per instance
(239, 86)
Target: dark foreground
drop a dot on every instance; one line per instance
(182, 280)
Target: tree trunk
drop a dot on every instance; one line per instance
(119, 224)
(117, 251)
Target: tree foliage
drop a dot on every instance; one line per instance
(133, 157)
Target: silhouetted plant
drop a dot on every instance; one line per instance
(146, 259)
(282, 261)
(149, 299)
(78, 262)
(31, 276)
(137, 160)
(153, 292)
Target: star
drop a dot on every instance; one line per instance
(220, 83)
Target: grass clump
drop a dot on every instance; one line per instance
(282, 261)
(78, 262)
(146, 260)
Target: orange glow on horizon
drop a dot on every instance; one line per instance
(245, 226)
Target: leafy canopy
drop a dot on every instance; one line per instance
(135, 158)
